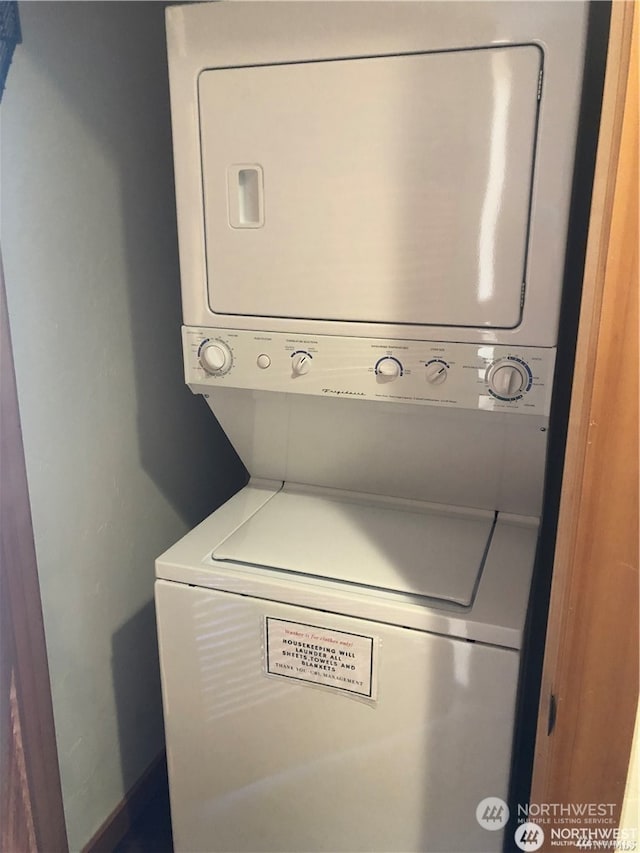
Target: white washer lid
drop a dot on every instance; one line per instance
(399, 545)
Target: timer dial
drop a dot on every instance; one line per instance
(508, 379)
(216, 357)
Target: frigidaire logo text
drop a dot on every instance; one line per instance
(350, 393)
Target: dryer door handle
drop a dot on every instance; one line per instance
(245, 185)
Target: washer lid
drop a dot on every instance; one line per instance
(402, 546)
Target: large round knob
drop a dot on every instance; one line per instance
(508, 379)
(436, 372)
(216, 357)
(389, 369)
(300, 363)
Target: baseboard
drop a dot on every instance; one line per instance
(129, 809)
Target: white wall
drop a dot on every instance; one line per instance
(121, 459)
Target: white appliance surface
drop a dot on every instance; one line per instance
(373, 201)
(460, 424)
(430, 373)
(486, 460)
(264, 763)
(400, 546)
(502, 576)
(357, 163)
(376, 168)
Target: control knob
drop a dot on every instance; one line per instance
(300, 363)
(389, 369)
(436, 372)
(508, 379)
(216, 357)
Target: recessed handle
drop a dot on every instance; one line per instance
(245, 185)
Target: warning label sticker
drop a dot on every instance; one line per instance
(335, 659)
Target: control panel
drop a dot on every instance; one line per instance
(472, 376)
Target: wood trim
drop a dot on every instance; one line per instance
(20, 826)
(152, 782)
(591, 657)
(21, 607)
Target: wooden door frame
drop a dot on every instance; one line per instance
(29, 742)
(593, 615)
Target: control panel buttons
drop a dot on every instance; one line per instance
(436, 371)
(215, 357)
(263, 361)
(388, 369)
(492, 377)
(509, 379)
(300, 363)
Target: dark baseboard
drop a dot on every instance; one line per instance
(129, 809)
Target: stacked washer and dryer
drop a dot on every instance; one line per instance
(372, 211)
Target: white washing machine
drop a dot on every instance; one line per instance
(340, 671)
(372, 209)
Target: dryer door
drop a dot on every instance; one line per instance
(388, 189)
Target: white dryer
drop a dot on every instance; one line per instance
(372, 207)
